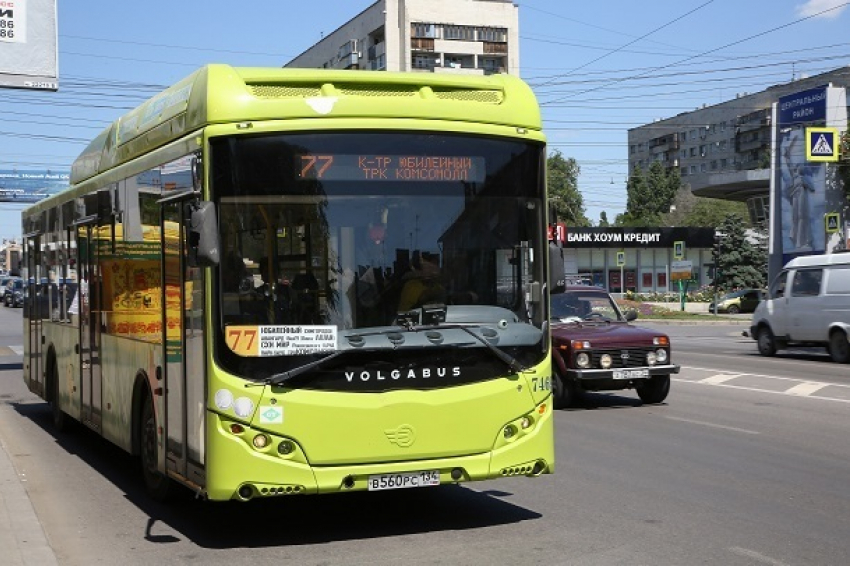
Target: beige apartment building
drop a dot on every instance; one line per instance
(438, 36)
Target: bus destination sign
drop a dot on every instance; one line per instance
(437, 168)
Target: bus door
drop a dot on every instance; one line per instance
(185, 368)
(89, 289)
(32, 311)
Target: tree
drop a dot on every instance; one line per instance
(649, 195)
(603, 220)
(562, 184)
(742, 263)
(691, 210)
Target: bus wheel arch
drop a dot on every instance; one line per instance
(158, 485)
(61, 421)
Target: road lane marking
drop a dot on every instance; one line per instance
(712, 425)
(777, 377)
(758, 390)
(805, 389)
(746, 552)
(719, 378)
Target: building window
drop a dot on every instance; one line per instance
(492, 65)
(464, 33)
(379, 64)
(632, 149)
(423, 61)
(423, 30)
(492, 34)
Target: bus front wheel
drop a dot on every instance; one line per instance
(157, 484)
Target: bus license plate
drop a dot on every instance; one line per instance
(631, 373)
(400, 481)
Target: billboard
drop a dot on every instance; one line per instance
(804, 190)
(28, 186)
(28, 44)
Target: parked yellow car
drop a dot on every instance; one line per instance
(743, 300)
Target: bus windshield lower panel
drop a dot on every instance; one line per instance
(366, 240)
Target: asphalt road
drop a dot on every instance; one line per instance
(745, 464)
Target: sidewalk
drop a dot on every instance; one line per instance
(22, 539)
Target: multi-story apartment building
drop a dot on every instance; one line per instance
(441, 36)
(724, 150)
(10, 257)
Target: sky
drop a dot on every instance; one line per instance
(598, 68)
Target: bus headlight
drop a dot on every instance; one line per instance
(583, 360)
(285, 447)
(605, 361)
(661, 355)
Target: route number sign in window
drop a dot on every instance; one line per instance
(442, 168)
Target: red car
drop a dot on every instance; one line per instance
(596, 349)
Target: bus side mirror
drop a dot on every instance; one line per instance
(202, 234)
(557, 279)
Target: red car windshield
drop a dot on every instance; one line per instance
(578, 306)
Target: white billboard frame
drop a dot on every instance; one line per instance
(29, 46)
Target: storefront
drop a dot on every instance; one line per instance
(636, 259)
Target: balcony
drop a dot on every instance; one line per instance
(748, 143)
(491, 48)
(422, 44)
(377, 50)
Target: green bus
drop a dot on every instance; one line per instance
(266, 282)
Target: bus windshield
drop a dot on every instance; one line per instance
(343, 234)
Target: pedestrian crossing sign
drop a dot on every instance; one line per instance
(830, 222)
(822, 144)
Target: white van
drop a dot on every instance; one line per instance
(808, 304)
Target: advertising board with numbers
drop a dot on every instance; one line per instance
(28, 44)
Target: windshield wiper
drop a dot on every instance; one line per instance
(285, 376)
(513, 364)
